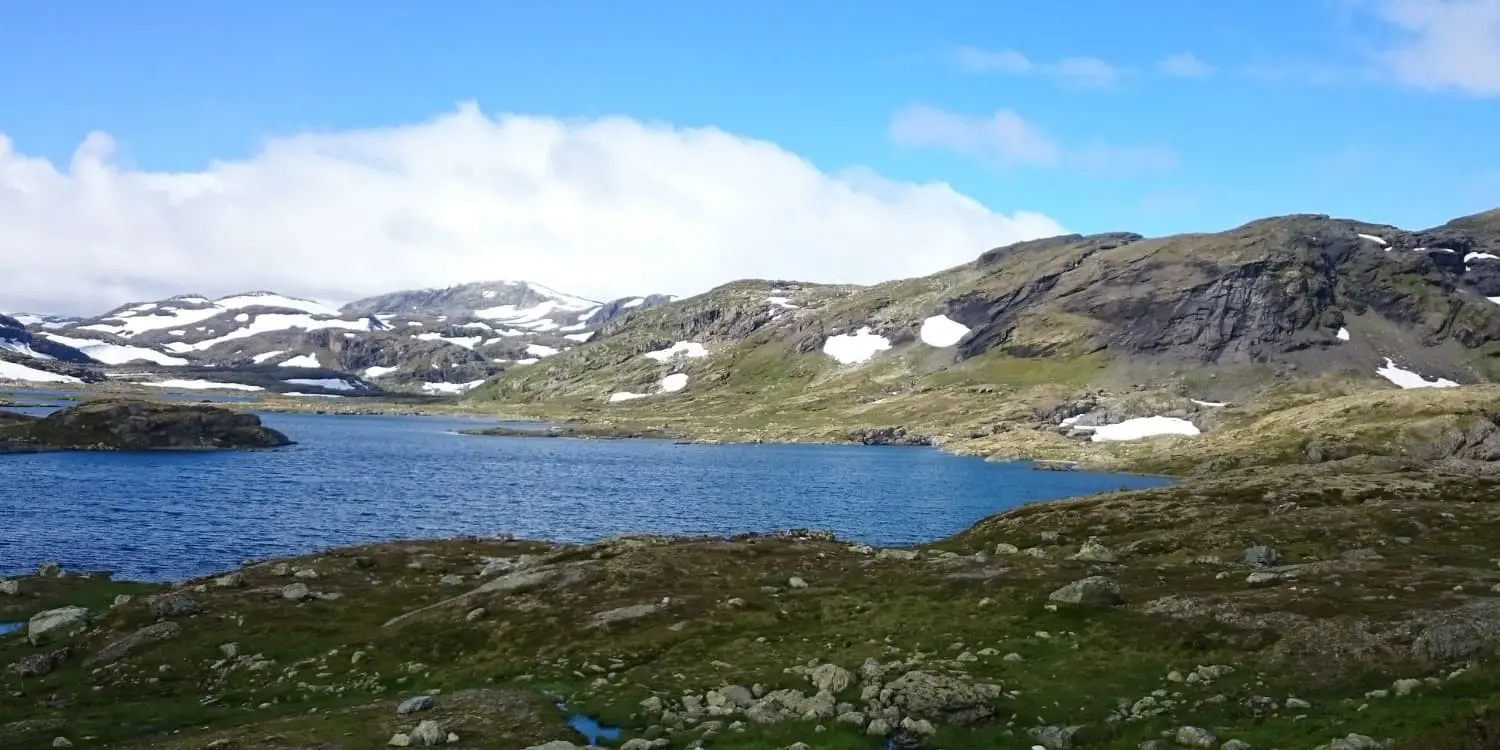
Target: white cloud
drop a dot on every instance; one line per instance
(1449, 45)
(602, 208)
(1085, 72)
(1184, 65)
(1006, 139)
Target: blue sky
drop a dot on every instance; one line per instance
(1174, 115)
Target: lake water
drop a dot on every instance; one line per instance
(357, 479)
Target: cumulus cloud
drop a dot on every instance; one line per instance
(1083, 72)
(602, 208)
(1451, 45)
(1006, 139)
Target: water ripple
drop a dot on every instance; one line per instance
(357, 479)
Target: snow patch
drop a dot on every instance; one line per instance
(637, 302)
(116, 354)
(689, 349)
(203, 385)
(13, 371)
(22, 348)
(267, 322)
(242, 318)
(331, 384)
(1407, 379)
(580, 337)
(239, 301)
(674, 382)
(450, 388)
(1141, 428)
(311, 395)
(261, 359)
(467, 342)
(537, 350)
(855, 348)
(615, 398)
(1214, 404)
(378, 371)
(1471, 257)
(302, 360)
(1374, 239)
(1343, 334)
(527, 361)
(942, 332)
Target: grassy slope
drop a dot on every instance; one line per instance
(1375, 554)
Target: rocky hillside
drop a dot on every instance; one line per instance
(433, 341)
(1081, 332)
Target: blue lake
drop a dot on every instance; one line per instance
(357, 479)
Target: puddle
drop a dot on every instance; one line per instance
(6, 628)
(591, 729)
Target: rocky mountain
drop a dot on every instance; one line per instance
(1050, 325)
(434, 341)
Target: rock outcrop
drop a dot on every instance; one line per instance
(131, 425)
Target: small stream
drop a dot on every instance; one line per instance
(6, 628)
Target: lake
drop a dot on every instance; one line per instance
(358, 479)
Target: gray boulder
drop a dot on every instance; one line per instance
(176, 604)
(940, 699)
(1094, 591)
(122, 647)
(56, 624)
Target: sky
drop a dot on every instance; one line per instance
(611, 148)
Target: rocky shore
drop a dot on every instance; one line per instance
(1321, 607)
(134, 425)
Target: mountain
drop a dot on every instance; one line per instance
(1097, 329)
(437, 341)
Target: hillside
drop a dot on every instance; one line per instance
(433, 341)
(1062, 336)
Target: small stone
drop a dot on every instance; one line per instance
(400, 739)
(229, 650)
(1053, 738)
(796, 583)
(281, 569)
(1196, 737)
(1004, 548)
(1261, 577)
(122, 600)
(295, 592)
(305, 573)
(451, 580)
(429, 734)
(1297, 704)
(1094, 550)
(1174, 676)
(230, 581)
(878, 728)
(62, 742)
(1260, 556)
(415, 704)
(10, 587)
(1013, 657)
(49, 570)
(1405, 687)
(475, 614)
(1235, 745)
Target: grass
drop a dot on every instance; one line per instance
(730, 617)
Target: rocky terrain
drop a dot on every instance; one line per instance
(433, 341)
(133, 425)
(1075, 348)
(1340, 607)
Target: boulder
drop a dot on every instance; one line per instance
(940, 699)
(1094, 591)
(56, 624)
(175, 604)
(119, 649)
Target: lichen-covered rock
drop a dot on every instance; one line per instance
(119, 649)
(175, 604)
(1094, 591)
(941, 699)
(56, 624)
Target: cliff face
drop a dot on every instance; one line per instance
(1304, 294)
